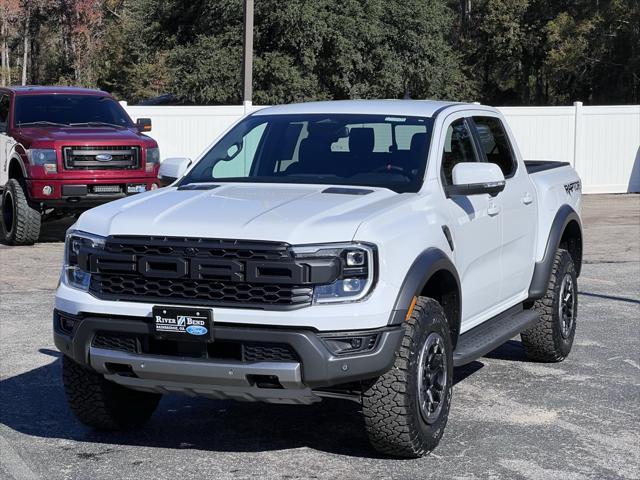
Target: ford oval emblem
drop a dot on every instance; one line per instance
(104, 157)
(196, 330)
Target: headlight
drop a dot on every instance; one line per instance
(153, 158)
(357, 275)
(44, 158)
(72, 273)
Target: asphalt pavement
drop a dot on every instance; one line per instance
(510, 418)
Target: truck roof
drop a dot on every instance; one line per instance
(36, 89)
(410, 108)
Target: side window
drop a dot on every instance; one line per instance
(495, 144)
(4, 113)
(458, 148)
(239, 163)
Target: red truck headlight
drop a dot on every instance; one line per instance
(153, 159)
(46, 158)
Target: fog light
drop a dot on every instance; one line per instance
(47, 190)
(67, 324)
(154, 186)
(341, 345)
(352, 284)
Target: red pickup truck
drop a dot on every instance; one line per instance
(63, 150)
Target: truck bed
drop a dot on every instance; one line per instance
(535, 166)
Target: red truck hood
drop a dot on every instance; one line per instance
(93, 135)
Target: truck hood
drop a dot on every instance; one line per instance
(77, 134)
(296, 214)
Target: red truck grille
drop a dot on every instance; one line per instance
(101, 158)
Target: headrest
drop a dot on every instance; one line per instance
(312, 148)
(361, 140)
(418, 142)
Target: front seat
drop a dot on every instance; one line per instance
(417, 153)
(361, 144)
(313, 154)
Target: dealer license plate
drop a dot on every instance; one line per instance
(186, 324)
(136, 188)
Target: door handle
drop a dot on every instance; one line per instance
(493, 210)
(527, 199)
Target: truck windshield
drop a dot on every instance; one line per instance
(368, 150)
(69, 109)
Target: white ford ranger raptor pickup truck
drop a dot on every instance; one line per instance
(352, 249)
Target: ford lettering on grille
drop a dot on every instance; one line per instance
(206, 272)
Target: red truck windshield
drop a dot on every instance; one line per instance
(69, 109)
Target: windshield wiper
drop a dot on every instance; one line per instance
(90, 124)
(43, 122)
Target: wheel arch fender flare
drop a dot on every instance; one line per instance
(566, 218)
(16, 159)
(431, 264)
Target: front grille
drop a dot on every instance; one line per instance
(201, 272)
(214, 248)
(125, 287)
(218, 350)
(268, 352)
(101, 158)
(112, 341)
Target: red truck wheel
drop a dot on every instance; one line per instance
(20, 222)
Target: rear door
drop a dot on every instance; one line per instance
(5, 140)
(519, 211)
(476, 228)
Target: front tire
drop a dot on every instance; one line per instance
(550, 339)
(20, 222)
(102, 404)
(406, 409)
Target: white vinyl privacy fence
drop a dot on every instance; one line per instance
(601, 142)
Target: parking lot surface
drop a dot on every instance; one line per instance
(510, 418)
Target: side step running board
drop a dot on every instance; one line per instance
(491, 334)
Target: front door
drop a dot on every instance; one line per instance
(476, 230)
(518, 209)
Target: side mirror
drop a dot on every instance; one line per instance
(171, 169)
(143, 124)
(475, 178)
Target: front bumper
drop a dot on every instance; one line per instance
(75, 193)
(291, 381)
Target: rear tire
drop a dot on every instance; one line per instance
(550, 339)
(102, 404)
(20, 222)
(406, 409)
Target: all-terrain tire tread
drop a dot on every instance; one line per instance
(104, 405)
(27, 220)
(386, 404)
(539, 340)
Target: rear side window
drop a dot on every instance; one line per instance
(495, 143)
(4, 112)
(458, 148)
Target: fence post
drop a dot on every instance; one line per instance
(577, 131)
(247, 104)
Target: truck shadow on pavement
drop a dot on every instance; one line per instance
(34, 403)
